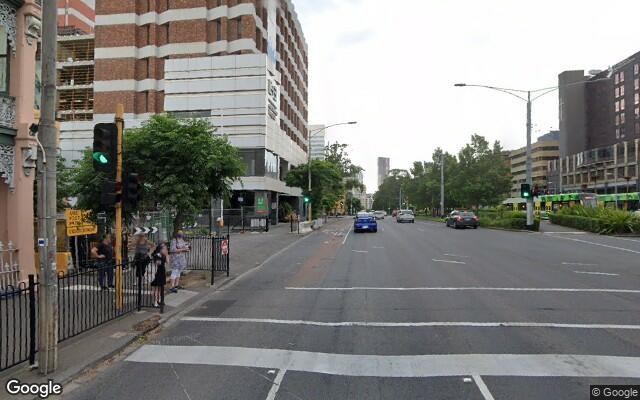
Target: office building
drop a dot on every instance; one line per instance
(599, 116)
(76, 17)
(242, 65)
(545, 149)
(318, 142)
(383, 169)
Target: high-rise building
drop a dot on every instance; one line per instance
(242, 65)
(599, 115)
(318, 142)
(383, 169)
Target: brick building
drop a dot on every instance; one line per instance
(241, 64)
(76, 16)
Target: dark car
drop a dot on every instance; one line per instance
(462, 219)
(365, 222)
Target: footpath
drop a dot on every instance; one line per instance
(99, 346)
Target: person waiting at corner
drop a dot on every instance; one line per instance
(179, 249)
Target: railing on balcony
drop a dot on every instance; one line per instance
(8, 112)
(9, 268)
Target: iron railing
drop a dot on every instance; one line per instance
(18, 313)
(9, 268)
(208, 254)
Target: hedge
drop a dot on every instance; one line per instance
(509, 223)
(597, 225)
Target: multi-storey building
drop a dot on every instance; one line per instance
(241, 64)
(599, 129)
(383, 169)
(317, 142)
(545, 149)
(76, 17)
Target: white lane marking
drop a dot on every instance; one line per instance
(454, 255)
(596, 273)
(580, 264)
(564, 233)
(627, 239)
(421, 230)
(378, 247)
(599, 244)
(395, 366)
(483, 388)
(369, 324)
(360, 251)
(347, 235)
(276, 384)
(448, 261)
(503, 289)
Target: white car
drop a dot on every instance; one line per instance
(405, 216)
(379, 214)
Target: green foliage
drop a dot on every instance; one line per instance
(326, 183)
(596, 219)
(64, 184)
(478, 176)
(180, 161)
(517, 223)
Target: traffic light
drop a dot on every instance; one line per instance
(109, 194)
(132, 190)
(525, 190)
(105, 148)
(307, 199)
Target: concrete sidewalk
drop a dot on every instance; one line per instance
(85, 353)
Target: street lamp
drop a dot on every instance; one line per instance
(311, 134)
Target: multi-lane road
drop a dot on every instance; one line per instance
(415, 311)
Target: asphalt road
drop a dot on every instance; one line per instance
(415, 311)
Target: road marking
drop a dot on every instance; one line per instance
(347, 235)
(600, 244)
(627, 239)
(276, 384)
(499, 289)
(411, 366)
(370, 324)
(360, 251)
(564, 233)
(483, 388)
(454, 255)
(580, 264)
(421, 230)
(596, 273)
(378, 247)
(448, 261)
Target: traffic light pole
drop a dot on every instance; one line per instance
(529, 166)
(119, 120)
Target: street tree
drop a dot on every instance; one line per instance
(326, 183)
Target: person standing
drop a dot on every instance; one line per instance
(103, 253)
(178, 251)
(160, 258)
(141, 259)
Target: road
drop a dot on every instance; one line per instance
(414, 311)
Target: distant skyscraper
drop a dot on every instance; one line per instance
(383, 169)
(318, 142)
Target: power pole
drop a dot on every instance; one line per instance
(119, 120)
(529, 162)
(48, 286)
(442, 185)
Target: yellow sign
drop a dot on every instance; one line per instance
(78, 223)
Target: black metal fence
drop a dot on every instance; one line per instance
(18, 313)
(209, 253)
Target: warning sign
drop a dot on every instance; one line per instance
(225, 247)
(79, 223)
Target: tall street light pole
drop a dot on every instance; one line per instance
(442, 185)
(311, 134)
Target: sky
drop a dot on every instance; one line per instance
(391, 66)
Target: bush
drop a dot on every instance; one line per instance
(509, 223)
(598, 220)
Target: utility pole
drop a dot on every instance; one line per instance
(529, 166)
(442, 185)
(48, 286)
(119, 120)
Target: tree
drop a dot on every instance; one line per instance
(180, 161)
(64, 184)
(326, 183)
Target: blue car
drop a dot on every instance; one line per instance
(365, 222)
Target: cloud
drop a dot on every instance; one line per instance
(354, 37)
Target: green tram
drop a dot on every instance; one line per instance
(552, 202)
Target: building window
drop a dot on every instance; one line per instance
(636, 69)
(617, 119)
(636, 83)
(4, 62)
(616, 92)
(617, 133)
(636, 98)
(622, 119)
(617, 106)
(239, 27)
(616, 78)
(637, 112)
(621, 76)
(637, 128)
(621, 90)
(622, 105)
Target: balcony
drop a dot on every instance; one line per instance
(8, 112)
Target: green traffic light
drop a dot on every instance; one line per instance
(101, 158)
(306, 199)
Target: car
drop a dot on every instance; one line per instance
(406, 216)
(462, 219)
(365, 222)
(379, 214)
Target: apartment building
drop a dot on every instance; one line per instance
(318, 142)
(383, 169)
(76, 17)
(545, 149)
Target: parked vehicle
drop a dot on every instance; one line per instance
(379, 214)
(406, 216)
(462, 219)
(365, 222)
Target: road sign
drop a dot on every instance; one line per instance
(144, 230)
(79, 222)
(224, 247)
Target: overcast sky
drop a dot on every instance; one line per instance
(391, 66)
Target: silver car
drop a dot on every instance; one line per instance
(379, 214)
(406, 216)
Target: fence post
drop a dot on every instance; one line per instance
(32, 320)
(228, 252)
(213, 258)
(139, 274)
